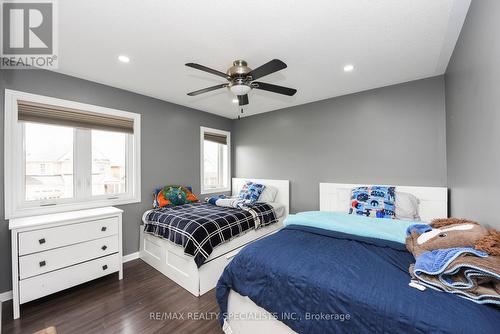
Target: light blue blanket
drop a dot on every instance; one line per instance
(435, 262)
(380, 228)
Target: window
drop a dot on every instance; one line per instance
(109, 171)
(63, 155)
(48, 163)
(215, 160)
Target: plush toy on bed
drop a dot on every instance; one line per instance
(172, 195)
(456, 256)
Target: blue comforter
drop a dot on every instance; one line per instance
(356, 284)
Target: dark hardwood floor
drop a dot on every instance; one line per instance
(107, 305)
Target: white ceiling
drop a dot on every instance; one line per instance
(388, 42)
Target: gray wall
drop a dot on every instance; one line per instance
(391, 135)
(170, 142)
(473, 116)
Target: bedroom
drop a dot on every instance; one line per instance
(385, 93)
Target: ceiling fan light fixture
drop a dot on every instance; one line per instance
(239, 89)
(124, 59)
(241, 78)
(348, 68)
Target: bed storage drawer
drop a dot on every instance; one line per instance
(42, 285)
(49, 238)
(211, 273)
(42, 262)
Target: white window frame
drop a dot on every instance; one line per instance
(14, 162)
(204, 190)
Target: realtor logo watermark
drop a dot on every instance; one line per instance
(28, 34)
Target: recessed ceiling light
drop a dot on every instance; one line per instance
(124, 59)
(348, 68)
(235, 100)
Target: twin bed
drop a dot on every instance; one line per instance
(203, 238)
(305, 279)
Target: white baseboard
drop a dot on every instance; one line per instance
(130, 257)
(7, 295)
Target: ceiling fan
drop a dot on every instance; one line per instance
(241, 78)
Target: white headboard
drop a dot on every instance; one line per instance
(433, 200)
(283, 187)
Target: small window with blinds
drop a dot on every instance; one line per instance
(215, 160)
(67, 155)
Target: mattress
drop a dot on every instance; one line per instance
(238, 304)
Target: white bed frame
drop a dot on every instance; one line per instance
(433, 200)
(333, 197)
(169, 258)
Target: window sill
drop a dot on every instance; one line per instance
(215, 190)
(41, 210)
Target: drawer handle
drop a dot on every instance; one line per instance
(105, 267)
(104, 247)
(42, 263)
(41, 241)
(103, 229)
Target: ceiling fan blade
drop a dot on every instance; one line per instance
(243, 99)
(206, 90)
(274, 88)
(207, 69)
(268, 68)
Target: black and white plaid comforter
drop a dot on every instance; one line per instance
(200, 227)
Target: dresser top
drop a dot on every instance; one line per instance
(16, 223)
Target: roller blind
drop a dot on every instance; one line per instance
(216, 138)
(56, 115)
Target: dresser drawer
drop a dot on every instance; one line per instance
(45, 239)
(42, 262)
(45, 284)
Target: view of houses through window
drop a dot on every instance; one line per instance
(50, 160)
(108, 162)
(215, 165)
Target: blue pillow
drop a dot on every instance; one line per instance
(375, 202)
(253, 192)
(244, 190)
(212, 200)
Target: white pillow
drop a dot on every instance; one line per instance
(406, 206)
(268, 194)
(344, 197)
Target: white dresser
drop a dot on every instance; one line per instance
(54, 252)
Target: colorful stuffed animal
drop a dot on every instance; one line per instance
(175, 195)
(172, 195)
